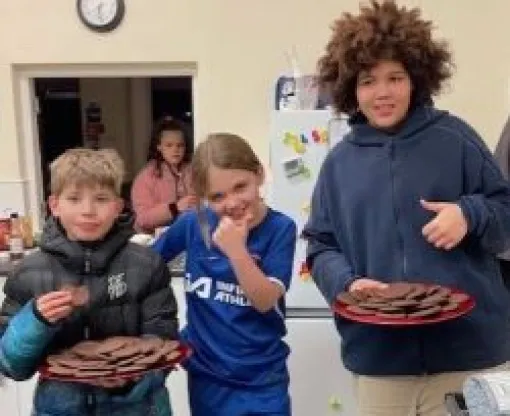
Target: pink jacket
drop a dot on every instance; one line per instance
(150, 195)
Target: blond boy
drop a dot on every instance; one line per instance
(127, 292)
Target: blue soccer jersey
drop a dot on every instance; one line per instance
(231, 340)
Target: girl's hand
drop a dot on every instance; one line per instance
(230, 236)
(54, 306)
(367, 286)
(187, 202)
(447, 228)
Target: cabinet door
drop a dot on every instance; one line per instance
(8, 397)
(177, 382)
(319, 383)
(26, 395)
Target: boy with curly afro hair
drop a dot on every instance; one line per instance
(411, 194)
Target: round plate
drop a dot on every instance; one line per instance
(184, 353)
(340, 308)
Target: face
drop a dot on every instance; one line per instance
(86, 213)
(234, 192)
(172, 147)
(384, 94)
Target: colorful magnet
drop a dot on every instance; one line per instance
(316, 136)
(304, 139)
(290, 138)
(299, 148)
(335, 403)
(324, 135)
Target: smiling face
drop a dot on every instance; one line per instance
(86, 212)
(234, 192)
(384, 94)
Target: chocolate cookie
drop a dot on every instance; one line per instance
(359, 311)
(346, 298)
(92, 373)
(148, 360)
(389, 315)
(433, 310)
(404, 303)
(130, 368)
(85, 348)
(61, 371)
(418, 292)
(172, 356)
(112, 344)
(150, 345)
(372, 306)
(451, 306)
(127, 351)
(395, 291)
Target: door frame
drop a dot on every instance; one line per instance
(26, 108)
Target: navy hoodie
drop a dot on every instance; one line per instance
(366, 220)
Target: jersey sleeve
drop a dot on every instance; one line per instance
(278, 261)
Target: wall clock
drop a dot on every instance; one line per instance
(101, 15)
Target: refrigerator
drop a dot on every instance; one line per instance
(319, 384)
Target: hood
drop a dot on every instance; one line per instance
(419, 119)
(82, 257)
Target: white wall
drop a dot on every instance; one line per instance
(238, 49)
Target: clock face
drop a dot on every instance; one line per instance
(102, 15)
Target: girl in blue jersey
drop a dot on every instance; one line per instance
(239, 265)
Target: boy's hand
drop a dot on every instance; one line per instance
(448, 227)
(367, 286)
(54, 306)
(231, 235)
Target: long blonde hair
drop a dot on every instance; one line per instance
(224, 151)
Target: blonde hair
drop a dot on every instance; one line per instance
(82, 166)
(224, 151)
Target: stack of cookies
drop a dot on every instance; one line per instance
(113, 357)
(403, 300)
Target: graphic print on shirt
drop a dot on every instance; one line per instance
(117, 287)
(225, 292)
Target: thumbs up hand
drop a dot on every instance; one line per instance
(448, 227)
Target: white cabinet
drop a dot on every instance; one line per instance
(8, 397)
(26, 395)
(319, 384)
(177, 381)
(8, 388)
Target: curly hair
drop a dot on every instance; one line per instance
(383, 31)
(168, 123)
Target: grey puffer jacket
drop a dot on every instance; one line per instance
(130, 294)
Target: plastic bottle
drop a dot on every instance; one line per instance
(16, 249)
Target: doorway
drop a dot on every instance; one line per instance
(52, 102)
(96, 113)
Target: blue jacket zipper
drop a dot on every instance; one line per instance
(396, 211)
(86, 332)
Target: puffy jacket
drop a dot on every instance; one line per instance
(130, 294)
(366, 220)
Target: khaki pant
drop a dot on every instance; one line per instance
(409, 395)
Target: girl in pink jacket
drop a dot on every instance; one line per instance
(162, 189)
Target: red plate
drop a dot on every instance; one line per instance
(184, 353)
(464, 307)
